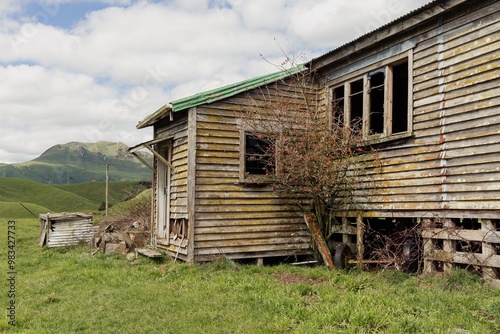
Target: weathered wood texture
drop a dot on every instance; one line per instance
(449, 166)
(234, 219)
(230, 218)
(176, 133)
(451, 243)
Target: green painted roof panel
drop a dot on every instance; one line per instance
(217, 94)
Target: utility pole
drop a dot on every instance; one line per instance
(107, 187)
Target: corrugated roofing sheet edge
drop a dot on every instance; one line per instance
(413, 12)
(217, 94)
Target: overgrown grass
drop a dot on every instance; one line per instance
(67, 290)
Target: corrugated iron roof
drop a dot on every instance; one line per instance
(217, 94)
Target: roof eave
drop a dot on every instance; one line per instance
(217, 94)
(156, 116)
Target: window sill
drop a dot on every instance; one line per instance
(256, 181)
(383, 140)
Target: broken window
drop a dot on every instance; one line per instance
(356, 103)
(400, 98)
(338, 106)
(376, 91)
(258, 159)
(378, 103)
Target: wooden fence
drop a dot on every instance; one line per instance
(469, 243)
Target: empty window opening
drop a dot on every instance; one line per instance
(400, 98)
(356, 99)
(338, 106)
(378, 104)
(376, 92)
(258, 160)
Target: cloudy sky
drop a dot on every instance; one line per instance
(74, 70)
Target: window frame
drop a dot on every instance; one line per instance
(363, 74)
(245, 177)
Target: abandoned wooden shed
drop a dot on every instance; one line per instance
(426, 88)
(206, 204)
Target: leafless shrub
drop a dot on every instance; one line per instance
(308, 152)
(401, 250)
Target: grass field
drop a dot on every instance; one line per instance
(68, 290)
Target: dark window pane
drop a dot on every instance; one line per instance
(257, 156)
(400, 98)
(377, 102)
(338, 106)
(356, 105)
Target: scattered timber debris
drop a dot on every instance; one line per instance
(110, 239)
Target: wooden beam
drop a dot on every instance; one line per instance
(157, 155)
(360, 230)
(318, 238)
(191, 181)
(488, 249)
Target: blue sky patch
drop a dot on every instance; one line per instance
(64, 15)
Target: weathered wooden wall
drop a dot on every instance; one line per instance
(176, 133)
(235, 219)
(446, 175)
(450, 166)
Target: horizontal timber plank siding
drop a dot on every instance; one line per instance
(450, 165)
(233, 219)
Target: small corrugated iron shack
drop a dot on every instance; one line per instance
(204, 204)
(426, 89)
(65, 229)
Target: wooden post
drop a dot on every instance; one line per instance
(449, 246)
(313, 226)
(488, 249)
(359, 241)
(428, 248)
(345, 230)
(107, 187)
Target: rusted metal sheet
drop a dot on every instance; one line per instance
(65, 229)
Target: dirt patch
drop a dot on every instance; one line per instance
(287, 278)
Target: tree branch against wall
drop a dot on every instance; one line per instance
(312, 157)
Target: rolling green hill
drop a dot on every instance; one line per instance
(77, 162)
(42, 198)
(14, 210)
(44, 195)
(95, 191)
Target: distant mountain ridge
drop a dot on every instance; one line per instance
(77, 162)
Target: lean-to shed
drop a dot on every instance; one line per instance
(205, 205)
(426, 89)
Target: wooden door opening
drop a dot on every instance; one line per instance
(163, 193)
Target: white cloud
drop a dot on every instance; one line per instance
(96, 79)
